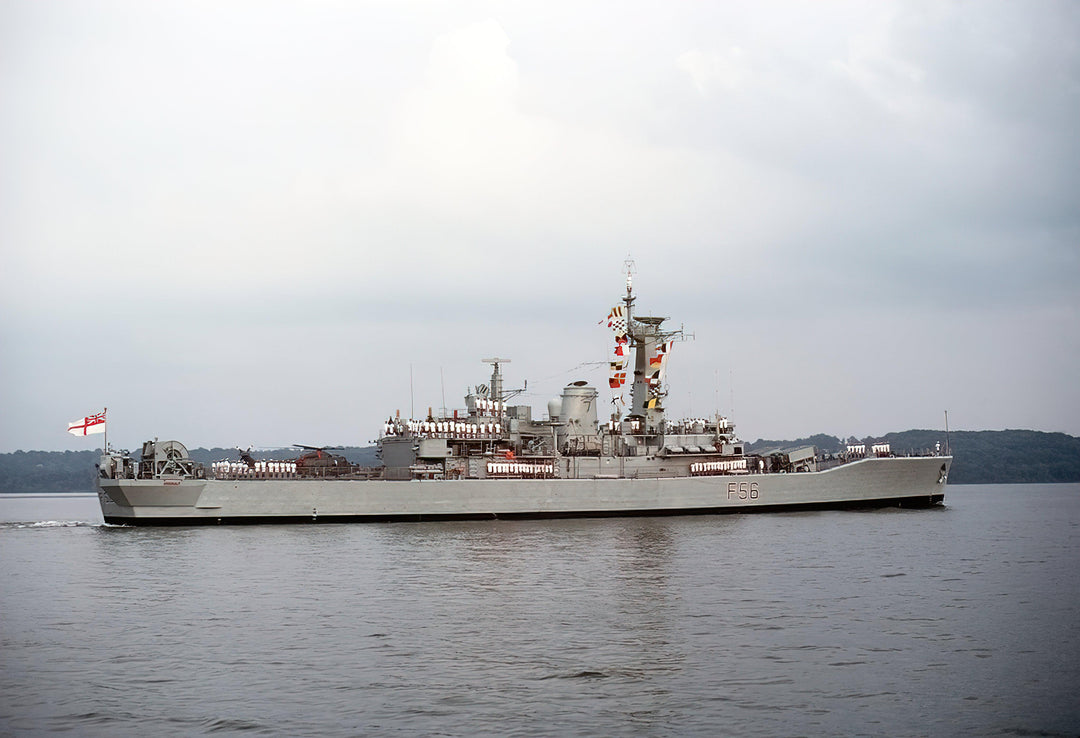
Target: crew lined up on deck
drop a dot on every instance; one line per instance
(442, 428)
(484, 406)
(517, 468)
(262, 469)
(717, 467)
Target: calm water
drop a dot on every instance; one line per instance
(956, 621)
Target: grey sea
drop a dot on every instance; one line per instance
(963, 620)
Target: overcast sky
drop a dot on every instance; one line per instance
(240, 223)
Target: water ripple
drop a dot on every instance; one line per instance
(831, 623)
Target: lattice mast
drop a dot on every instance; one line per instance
(496, 378)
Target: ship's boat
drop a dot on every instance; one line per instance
(493, 459)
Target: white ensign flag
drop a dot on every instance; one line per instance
(88, 425)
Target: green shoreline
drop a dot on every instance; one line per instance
(980, 457)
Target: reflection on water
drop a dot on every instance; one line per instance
(956, 620)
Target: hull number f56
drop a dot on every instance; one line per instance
(742, 490)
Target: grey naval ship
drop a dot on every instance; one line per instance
(492, 459)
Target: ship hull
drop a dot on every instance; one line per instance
(873, 482)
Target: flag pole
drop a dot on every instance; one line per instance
(105, 414)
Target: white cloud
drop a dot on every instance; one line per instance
(465, 150)
(727, 70)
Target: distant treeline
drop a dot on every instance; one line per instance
(980, 457)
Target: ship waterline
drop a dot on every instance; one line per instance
(904, 481)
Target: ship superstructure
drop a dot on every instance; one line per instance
(492, 438)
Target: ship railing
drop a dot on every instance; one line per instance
(721, 473)
(368, 472)
(237, 475)
(186, 469)
(831, 461)
(363, 472)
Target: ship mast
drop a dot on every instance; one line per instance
(650, 345)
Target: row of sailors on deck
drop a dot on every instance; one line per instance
(450, 428)
(717, 467)
(858, 450)
(261, 468)
(484, 406)
(520, 468)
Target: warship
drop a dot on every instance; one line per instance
(493, 459)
